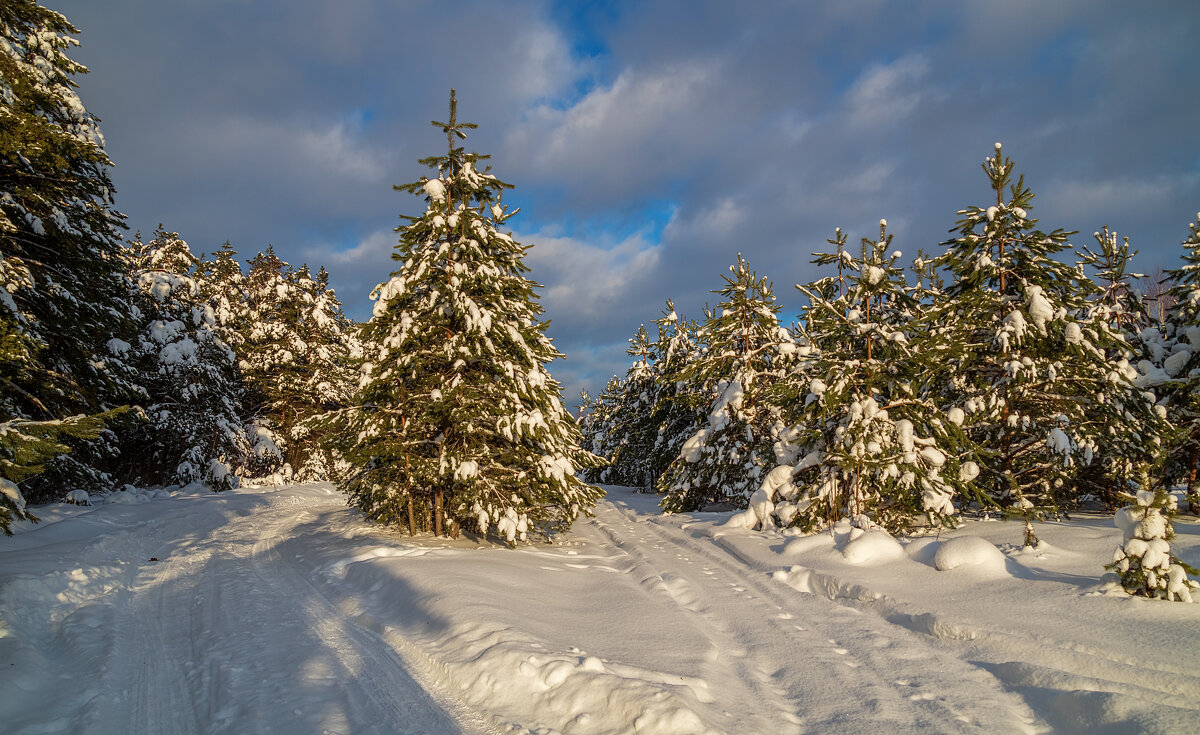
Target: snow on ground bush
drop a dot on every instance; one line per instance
(1144, 560)
(970, 552)
(872, 547)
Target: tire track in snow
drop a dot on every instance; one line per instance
(1075, 667)
(359, 645)
(728, 659)
(804, 659)
(147, 679)
(224, 636)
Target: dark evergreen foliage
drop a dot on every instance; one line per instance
(62, 287)
(460, 422)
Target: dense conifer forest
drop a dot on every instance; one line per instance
(1007, 370)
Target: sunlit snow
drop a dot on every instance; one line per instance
(280, 609)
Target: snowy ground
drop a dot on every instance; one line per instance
(279, 610)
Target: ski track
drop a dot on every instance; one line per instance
(1074, 670)
(202, 621)
(800, 662)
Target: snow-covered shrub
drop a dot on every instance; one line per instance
(1144, 560)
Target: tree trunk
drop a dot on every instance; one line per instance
(1191, 484)
(1192, 459)
(412, 523)
(437, 513)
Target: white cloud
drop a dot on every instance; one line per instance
(354, 272)
(371, 250)
(887, 93)
(631, 125)
(718, 220)
(870, 180)
(585, 283)
(541, 63)
(337, 150)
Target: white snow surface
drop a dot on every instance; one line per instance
(281, 610)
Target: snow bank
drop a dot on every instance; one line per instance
(873, 547)
(570, 693)
(970, 552)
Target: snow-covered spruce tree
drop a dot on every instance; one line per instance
(296, 350)
(460, 418)
(1028, 363)
(1129, 436)
(632, 433)
(193, 430)
(62, 288)
(1182, 366)
(1116, 299)
(223, 285)
(596, 428)
(726, 460)
(880, 449)
(266, 353)
(585, 418)
(1144, 560)
(680, 403)
(324, 375)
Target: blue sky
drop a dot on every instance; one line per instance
(650, 141)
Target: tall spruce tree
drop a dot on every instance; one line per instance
(596, 429)
(1129, 432)
(632, 433)
(1029, 361)
(1182, 366)
(727, 459)
(193, 430)
(62, 287)
(266, 349)
(880, 448)
(222, 284)
(679, 403)
(461, 422)
(323, 378)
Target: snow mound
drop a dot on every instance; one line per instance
(78, 497)
(578, 693)
(971, 552)
(130, 495)
(873, 547)
(338, 568)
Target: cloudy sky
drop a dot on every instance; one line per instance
(649, 141)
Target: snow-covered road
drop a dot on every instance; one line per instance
(189, 620)
(280, 610)
(785, 661)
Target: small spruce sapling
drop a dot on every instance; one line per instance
(1144, 560)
